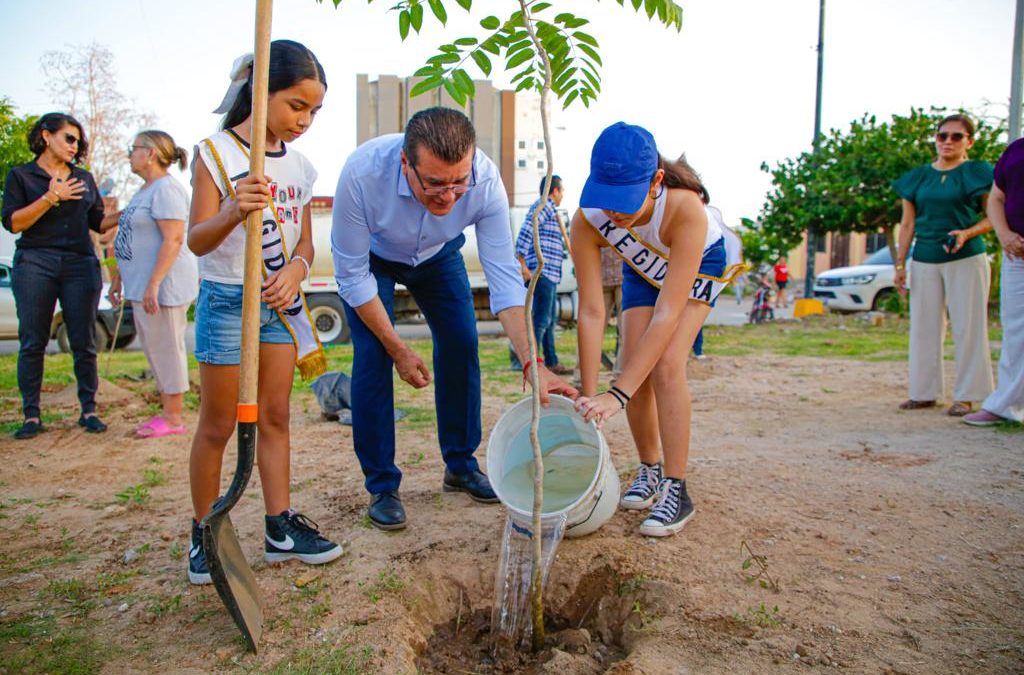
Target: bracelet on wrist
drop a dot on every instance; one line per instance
(526, 367)
(617, 397)
(304, 262)
(54, 202)
(620, 392)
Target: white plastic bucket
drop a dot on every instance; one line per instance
(580, 479)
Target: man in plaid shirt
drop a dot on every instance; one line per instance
(545, 296)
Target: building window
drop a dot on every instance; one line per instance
(540, 145)
(820, 242)
(875, 242)
(540, 163)
(522, 145)
(521, 164)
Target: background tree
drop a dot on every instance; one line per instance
(13, 139)
(82, 80)
(851, 190)
(548, 56)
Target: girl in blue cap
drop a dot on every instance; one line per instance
(654, 214)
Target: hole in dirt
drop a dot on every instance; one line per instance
(585, 633)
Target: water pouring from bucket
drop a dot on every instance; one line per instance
(581, 491)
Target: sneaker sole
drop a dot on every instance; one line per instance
(636, 505)
(308, 558)
(979, 424)
(665, 530)
(199, 579)
(483, 500)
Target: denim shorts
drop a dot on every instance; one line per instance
(219, 324)
(638, 292)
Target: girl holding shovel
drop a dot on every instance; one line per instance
(220, 202)
(676, 255)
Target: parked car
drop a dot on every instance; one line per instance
(106, 318)
(860, 287)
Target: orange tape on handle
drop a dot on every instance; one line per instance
(247, 412)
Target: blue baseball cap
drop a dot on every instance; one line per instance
(622, 164)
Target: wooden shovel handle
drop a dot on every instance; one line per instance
(252, 288)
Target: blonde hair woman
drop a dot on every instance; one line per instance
(158, 274)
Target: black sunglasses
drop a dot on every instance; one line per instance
(956, 136)
(71, 139)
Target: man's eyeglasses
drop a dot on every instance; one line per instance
(71, 139)
(438, 190)
(955, 136)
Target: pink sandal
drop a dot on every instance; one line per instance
(156, 427)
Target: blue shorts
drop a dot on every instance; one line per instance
(638, 292)
(219, 324)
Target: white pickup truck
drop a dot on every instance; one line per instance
(329, 314)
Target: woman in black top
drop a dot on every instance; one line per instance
(53, 203)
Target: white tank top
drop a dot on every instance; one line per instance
(650, 232)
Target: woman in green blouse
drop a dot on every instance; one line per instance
(943, 215)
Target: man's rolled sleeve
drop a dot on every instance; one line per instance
(494, 244)
(350, 244)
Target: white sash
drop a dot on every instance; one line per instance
(309, 353)
(652, 264)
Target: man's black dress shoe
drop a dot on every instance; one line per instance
(473, 483)
(386, 511)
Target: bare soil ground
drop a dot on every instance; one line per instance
(895, 540)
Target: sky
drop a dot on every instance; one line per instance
(734, 89)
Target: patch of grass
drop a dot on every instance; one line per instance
(136, 495)
(415, 459)
(1009, 427)
(176, 552)
(153, 478)
(71, 590)
(387, 582)
(163, 605)
(343, 660)
(39, 645)
(110, 581)
(365, 521)
(760, 616)
(632, 585)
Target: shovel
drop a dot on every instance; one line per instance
(229, 569)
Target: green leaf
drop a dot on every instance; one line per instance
(520, 57)
(466, 41)
(570, 98)
(513, 48)
(560, 81)
(528, 83)
(490, 23)
(416, 17)
(594, 80)
(583, 37)
(457, 95)
(464, 82)
(590, 51)
(637, 3)
(426, 85)
(444, 58)
(567, 86)
(403, 24)
(522, 73)
(747, 563)
(649, 7)
(426, 70)
(482, 62)
(539, 7)
(563, 17)
(437, 7)
(491, 45)
(465, 4)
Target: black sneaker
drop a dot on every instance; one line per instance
(673, 510)
(93, 424)
(198, 572)
(29, 429)
(642, 493)
(292, 535)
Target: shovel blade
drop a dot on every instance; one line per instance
(232, 577)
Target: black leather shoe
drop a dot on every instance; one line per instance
(93, 424)
(386, 511)
(29, 429)
(473, 483)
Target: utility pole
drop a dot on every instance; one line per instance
(1015, 74)
(811, 244)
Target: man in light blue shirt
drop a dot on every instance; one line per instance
(401, 205)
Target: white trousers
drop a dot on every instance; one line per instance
(1008, 399)
(961, 287)
(163, 341)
